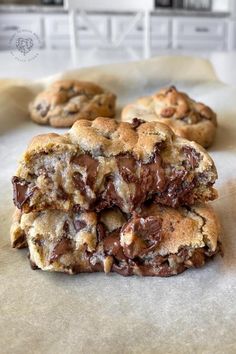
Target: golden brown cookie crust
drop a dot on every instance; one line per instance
(66, 101)
(187, 118)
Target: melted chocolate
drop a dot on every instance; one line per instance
(136, 122)
(147, 235)
(79, 183)
(20, 191)
(153, 180)
(122, 269)
(109, 197)
(127, 167)
(178, 190)
(193, 157)
(79, 224)
(63, 246)
(91, 166)
(112, 245)
(101, 231)
(61, 194)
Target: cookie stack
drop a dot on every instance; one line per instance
(115, 197)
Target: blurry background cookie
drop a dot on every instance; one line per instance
(190, 119)
(66, 101)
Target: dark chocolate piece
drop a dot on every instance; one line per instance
(91, 166)
(101, 231)
(79, 224)
(43, 108)
(20, 191)
(127, 167)
(136, 122)
(63, 246)
(147, 235)
(193, 157)
(112, 245)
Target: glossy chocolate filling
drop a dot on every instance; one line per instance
(139, 257)
(156, 180)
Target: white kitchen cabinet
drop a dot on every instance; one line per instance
(11, 23)
(160, 31)
(190, 33)
(57, 31)
(196, 33)
(197, 45)
(232, 35)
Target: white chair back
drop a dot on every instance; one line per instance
(110, 5)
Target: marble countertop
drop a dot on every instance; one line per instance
(13, 8)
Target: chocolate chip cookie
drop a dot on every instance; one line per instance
(189, 119)
(67, 101)
(156, 241)
(102, 163)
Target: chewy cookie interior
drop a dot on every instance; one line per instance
(158, 240)
(103, 163)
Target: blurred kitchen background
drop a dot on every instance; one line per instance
(201, 28)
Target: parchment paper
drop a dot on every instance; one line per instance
(55, 313)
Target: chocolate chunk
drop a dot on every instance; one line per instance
(148, 228)
(43, 108)
(66, 228)
(198, 258)
(76, 208)
(79, 183)
(193, 157)
(127, 168)
(112, 245)
(152, 177)
(97, 267)
(157, 151)
(38, 241)
(33, 265)
(178, 190)
(146, 235)
(109, 197)
(20, 191)
(91, 166)
(136, 122)
(79, 224)
(63, 246)
(61, 194)
(101, 231)
(122, 269)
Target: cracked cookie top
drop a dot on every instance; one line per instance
(66, 101)
(107, 137)
(188, 118)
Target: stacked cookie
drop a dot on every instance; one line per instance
(121, 197)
